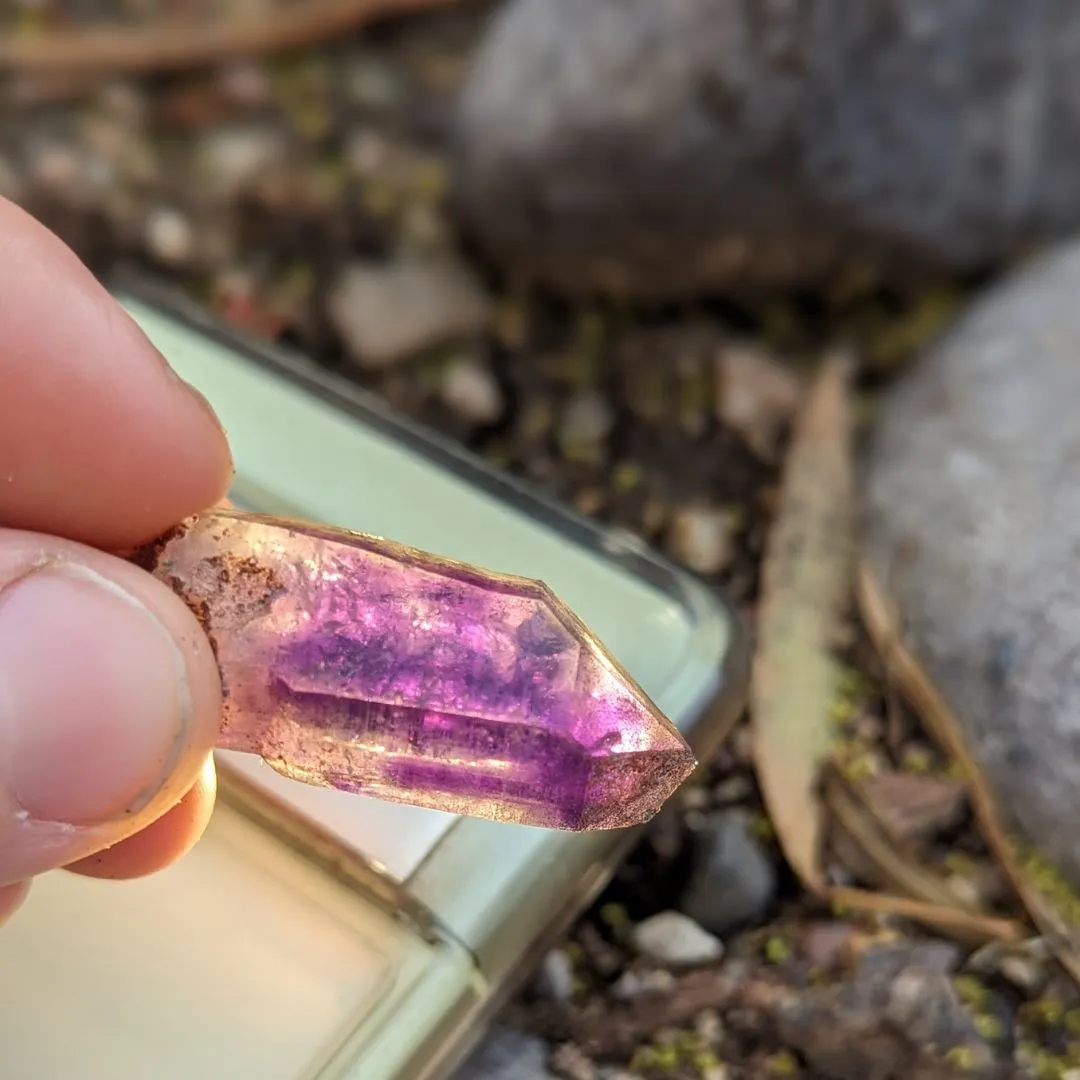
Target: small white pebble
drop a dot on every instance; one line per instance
(471, 391)
(674, 938)
(55, 166)
(169, 236)
(700, 537)
(587, 420)
(569, 1061)
(556, 976)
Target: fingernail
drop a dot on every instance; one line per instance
(204, 403)
(94, 702)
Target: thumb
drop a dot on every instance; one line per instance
(109, 702)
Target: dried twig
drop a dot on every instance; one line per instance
(883, 623)
(171, 46)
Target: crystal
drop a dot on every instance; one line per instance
(360, 664)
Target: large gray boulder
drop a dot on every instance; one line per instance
(655, 149)
(972, 522)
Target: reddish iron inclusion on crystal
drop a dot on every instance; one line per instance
(360, 664)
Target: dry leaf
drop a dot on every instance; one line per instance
(882, 623)
(910, 806)
(915, 892)
(805, 576)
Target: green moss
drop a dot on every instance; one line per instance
(615, 916)
(380, 199)
(1044, 1012)
(989, 1026)
(1041, 1064)
(857, 765)
(429, 180)
(627, 475)
(971, 991)
(918, 759)
(659, 1058)
(777, 950)
(1039, 872)
(782, 1063)
(898, 339)
(761, 828)
(962, 1058)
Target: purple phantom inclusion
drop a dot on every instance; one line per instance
(363, 665)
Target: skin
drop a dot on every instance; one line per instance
(101, 447)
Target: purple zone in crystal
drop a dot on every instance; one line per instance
(509, 738)
(369, 667)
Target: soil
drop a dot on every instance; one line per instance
(615, 409)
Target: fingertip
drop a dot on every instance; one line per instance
(100, 440)
(12, 898)
(162, 842)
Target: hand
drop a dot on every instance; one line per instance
(109, 694)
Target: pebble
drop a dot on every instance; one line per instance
(388, 312)
(1026, 964)
(665, 149)
(169, 236)
(245, 83)
(972, 525)
(507, 1054)
(372, 82)
(673, 938)
(585, 423)
(231, 157)
(555, 979)
(755, 395)
(55, 166)
(734, 880)
(633, 984)
(124, 102)
(471, 390)
(700, 537)
(896, 1015)
(570, 1063)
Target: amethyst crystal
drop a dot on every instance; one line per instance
(363, 665)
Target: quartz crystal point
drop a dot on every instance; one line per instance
(360, 664)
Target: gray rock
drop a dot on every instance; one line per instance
(734, 881)
(897, 1017)
(657, 149)
(633, 984)
(972, 525)
(386, 312)
(506, 1054)
(674, 938)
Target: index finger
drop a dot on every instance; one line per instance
(99, 440)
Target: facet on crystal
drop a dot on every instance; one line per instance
(367, 666)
